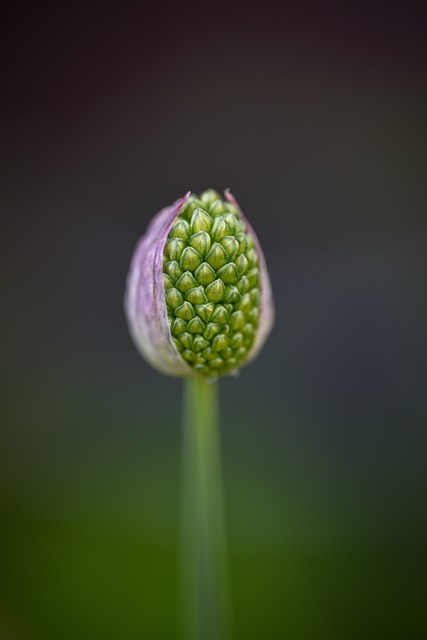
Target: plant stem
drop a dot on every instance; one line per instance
(204, 580)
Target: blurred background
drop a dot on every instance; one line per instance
(316, 119)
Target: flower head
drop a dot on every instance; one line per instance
(198, 297)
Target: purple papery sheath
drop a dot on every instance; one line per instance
(145, 302)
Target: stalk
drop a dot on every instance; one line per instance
(205, 606)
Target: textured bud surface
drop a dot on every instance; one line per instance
(198, 296)
(213, 288)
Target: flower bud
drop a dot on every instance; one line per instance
(198, 297)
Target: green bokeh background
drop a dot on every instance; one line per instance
(318, 125)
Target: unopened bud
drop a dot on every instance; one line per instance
(198, 297)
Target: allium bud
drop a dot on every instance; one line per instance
(198, 297)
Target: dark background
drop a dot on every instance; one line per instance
(316, 119)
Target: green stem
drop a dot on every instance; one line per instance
(204, 586)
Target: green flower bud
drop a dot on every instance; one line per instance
(218, 207)
(191, 204)
(173, 269)
(228, 273)
(205, 274)
(190, 259)
(243, 243)
(201, 221)
(185, 311)
(187, 340)
(196, 295)
(174, 248)
(180, 229)
(232, 222)
(211, 330)
(242, 263)
(230, 245)
(209, 196)
(198, 298)
(174, 298)
(237, 320)
(205, 311)
(220, 229)
(167, 281)
(215, 292)
(217, 256)
(220, 342)
(200, 343)
(220, 315)
(188, 355)
(196, 325)
(178, 326)
(201, 242)
(186, 282)
(232, 294)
